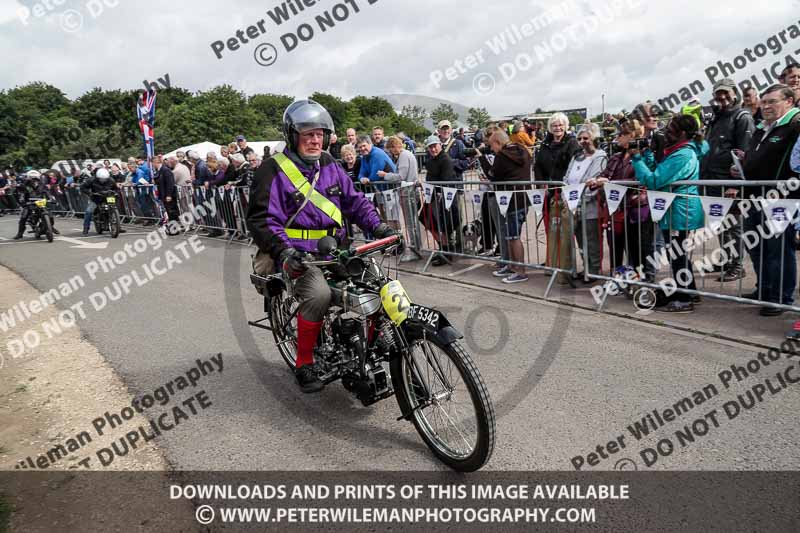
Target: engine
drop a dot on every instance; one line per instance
(363, 373)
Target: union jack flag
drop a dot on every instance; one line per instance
(146, 111)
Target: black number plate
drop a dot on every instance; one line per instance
(429, 317)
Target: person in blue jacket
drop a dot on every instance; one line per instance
(142, 178)
(373, 160)
(682, 154)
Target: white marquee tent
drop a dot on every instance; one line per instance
(203, 148)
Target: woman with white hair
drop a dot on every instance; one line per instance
(350, 162)
(552, 160)
(586, 167)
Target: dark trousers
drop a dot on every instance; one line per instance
(774, 261)
(634, 240)
(488, 230)
(682, 271)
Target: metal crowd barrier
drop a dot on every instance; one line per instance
(771, 253)
(473, 227)
(397, 205)
(619, 249)
(227, 213)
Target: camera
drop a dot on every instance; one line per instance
(639, 144)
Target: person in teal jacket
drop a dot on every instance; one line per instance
(684, 149)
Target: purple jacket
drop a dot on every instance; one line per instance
(273, 201)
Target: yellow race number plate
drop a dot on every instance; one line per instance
(41, 203)
(395, 301)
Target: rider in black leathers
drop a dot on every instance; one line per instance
(27, 189)
(96, 188)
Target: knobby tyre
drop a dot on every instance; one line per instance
(450, 404)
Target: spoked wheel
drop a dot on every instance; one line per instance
(47, 227)
(451, 409)
(113, 223)
(281, 308)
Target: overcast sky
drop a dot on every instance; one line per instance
(638, 49)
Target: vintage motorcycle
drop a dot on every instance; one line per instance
(379, 344)
(39, 218)
(106, 216)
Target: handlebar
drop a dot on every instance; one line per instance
(361, 250)
(364, 248)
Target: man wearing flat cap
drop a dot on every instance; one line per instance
(731, 129)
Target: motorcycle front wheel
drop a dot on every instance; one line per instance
(47, 227)
(439, 385)
(113, 223)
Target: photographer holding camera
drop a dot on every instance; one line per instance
(647, 114)
(731, 129)
(630, 229)
(684, 149)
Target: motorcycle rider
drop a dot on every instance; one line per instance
(299, 196)
(31, 187)
(96, 188)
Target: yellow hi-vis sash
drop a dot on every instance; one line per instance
(319, 201)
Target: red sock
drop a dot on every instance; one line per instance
(307, 333)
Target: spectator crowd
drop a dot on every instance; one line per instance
(739, 137)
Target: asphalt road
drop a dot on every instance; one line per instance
(563, 381)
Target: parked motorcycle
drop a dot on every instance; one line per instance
(379, 343)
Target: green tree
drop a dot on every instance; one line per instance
(478, 117)
(270, 108)
(217, 115)
(38, 99)
(373, 106)
(339, 110)
(416, 114)
(575, 120)
(444, 112)
(11, 135)
(102, 109)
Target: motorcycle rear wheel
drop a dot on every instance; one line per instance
(281, 308)
(449, 404)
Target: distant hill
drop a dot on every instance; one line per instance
(398, 101)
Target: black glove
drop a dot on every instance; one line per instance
(292, 261)
(383, 231)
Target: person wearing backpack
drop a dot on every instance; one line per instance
(731, 129)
